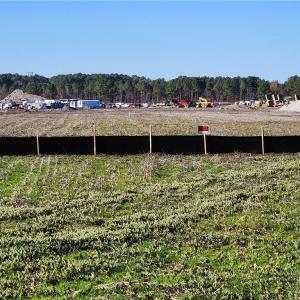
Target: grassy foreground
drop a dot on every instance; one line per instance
(216, 227)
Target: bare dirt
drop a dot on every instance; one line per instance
(19, 96)
(222, 121)
(293, 106)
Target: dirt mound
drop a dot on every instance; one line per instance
(293, 106)
(19, 95)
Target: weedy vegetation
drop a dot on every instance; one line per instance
(158, 226)
(165, 121)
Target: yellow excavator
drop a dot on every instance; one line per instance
(203, 102)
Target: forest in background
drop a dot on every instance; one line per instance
(124, 88)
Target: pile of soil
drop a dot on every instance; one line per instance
(19, 96)
(293, 106)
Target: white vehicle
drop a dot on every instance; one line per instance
(7, 106)
(48, 103)
(119, 104)
(125, 105)
(34, 104)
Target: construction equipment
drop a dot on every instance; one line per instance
(274, 102)
(255, 103)
(203, 102)
(181, 103)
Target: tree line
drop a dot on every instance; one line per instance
(124, 88)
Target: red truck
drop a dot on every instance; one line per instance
(181, 103)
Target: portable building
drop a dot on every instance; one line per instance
(77, 104)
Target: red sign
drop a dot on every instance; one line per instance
(203, 129)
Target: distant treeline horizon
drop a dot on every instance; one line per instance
(125, 88)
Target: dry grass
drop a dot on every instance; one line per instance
(229, 121)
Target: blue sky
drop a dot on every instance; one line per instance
(154, 39)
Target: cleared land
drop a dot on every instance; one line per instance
(223, 121)
(216, 227)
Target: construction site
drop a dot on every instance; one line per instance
(19, 100)
(226, 120)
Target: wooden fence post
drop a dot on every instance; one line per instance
(37, 143)
(150, 139)
(94, 139)
(204, 142)
(262, 141)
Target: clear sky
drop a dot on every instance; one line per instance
(154, 39)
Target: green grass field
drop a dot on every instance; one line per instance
(136, 227)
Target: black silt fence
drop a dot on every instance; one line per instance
(66, 145)
(178, 144)
(122, 145)
(17, 145)
(282, 144)
(230, 144)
